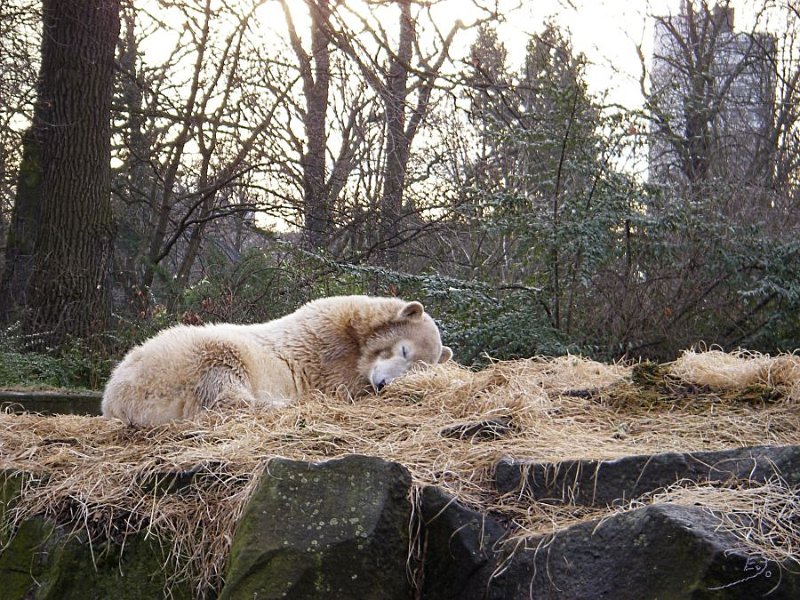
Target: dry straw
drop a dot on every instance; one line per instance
(739, 370)
(113, 480)
(762, 517)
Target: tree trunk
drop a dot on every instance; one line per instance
(23, 230)
(139, 186)
(398, 143)
(69, 288)
(163, 212)
(317, 218)
(405, 90)
(315, 73)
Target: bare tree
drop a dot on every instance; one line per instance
(787, 113)
(717, 250)
(711, 99)
(403, 74)
(194, 125)
(321, 184)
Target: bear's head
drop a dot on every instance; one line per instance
(409, 340)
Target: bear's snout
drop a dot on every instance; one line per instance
(387, 370)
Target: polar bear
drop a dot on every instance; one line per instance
(339, 343)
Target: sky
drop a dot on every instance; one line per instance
(606, 31)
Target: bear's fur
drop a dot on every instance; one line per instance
(340, 343)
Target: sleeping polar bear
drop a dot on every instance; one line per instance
(345, 342)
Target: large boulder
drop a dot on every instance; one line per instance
(662, 552)
(337, 530)
(40, 560)
(605, 482)
(341, 530)
(47, 562)
(461, 547)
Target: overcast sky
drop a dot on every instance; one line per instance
(607, 31)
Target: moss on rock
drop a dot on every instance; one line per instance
(40, 560)
(336, 530)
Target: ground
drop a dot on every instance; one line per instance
(108, 475)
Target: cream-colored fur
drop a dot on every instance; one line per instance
(350, 342)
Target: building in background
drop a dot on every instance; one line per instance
(712, 94)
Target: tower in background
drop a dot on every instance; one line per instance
(712, 94)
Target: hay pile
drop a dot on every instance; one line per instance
(104, 476)
(739, 370)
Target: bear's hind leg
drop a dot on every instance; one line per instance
(219, 387)
(223, 380)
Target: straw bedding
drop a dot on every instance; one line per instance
(100, 475)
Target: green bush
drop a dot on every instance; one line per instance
(477, 321)
(261, 286)
(74, 365)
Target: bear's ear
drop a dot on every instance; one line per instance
(446, 355)
(411, 311)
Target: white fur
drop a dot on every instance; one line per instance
(350, 342)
